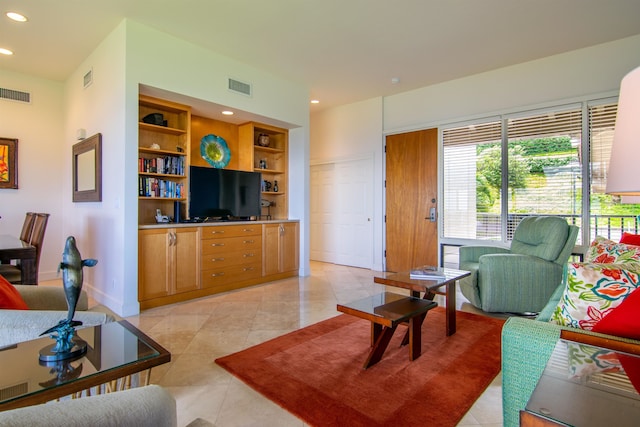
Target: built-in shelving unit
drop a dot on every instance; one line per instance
(178, 262)
(163, 157)
(272, 162)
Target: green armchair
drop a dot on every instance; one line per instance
(519, 279)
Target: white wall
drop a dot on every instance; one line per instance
(38, 126)
(354, 130)
(99, 226)
(592, 70)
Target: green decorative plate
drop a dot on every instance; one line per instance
(215, 150)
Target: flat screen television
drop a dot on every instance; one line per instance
(223, 194)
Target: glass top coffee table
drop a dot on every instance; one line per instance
(585, 385)
(431, 288)
(386, 311)
(115, 351)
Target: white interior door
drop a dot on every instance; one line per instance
(342, 213)
(323, 213)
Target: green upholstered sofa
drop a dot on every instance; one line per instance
(527, 345)
(521, 278)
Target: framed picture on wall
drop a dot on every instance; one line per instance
(8, 163)
(87, 170)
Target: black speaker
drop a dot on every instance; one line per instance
(177, 211)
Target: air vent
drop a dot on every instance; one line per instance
(15, 95)
(240, 87)
(88, 78)
(13, 391)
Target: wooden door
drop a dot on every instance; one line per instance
(411, 193)
(289, 252)
(186, 266)
(155, 257)
(270, 249)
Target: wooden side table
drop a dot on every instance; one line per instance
(576, 390)
(386, 311)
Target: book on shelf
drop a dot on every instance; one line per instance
(427, 272)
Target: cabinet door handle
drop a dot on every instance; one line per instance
(217, 232)
(248, 230)
(217, 259)
(217, 274)
(248, 255)
(217, 244)
(248, 268)
(248, 241)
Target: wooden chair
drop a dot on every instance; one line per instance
(13, 273)
(27, 227)
(25, 234)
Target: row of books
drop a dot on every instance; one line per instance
(154, 187)
(167, 165)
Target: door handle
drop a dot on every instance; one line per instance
(432, 214)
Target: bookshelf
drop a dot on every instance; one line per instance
(163, 157)
(272, 162)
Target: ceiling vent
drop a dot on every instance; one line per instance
(240, 87)
(15, 95)
(87, 79)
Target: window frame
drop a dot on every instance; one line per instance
(584, 105)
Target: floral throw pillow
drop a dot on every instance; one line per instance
(605, 251)
(593, 291)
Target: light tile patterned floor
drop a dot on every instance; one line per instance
(199, 331)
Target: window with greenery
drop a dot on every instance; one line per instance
(471, 195)
(545, 174)
(610, 215)
(495, 172)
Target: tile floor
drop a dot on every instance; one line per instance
(198, 331)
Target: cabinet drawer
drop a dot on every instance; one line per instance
(224, 259)
(232, 244)
(231, 231)
(223, 276)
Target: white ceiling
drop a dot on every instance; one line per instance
(343, 50)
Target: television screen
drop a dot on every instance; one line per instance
(223, 194)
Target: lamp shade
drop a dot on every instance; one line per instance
(623, 177)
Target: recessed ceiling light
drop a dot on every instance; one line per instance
(5, 51)
(16, 17)
(395, 80)
(315, 101)
(227, 113)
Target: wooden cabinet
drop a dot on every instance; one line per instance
(169, 264)
(192, 261)
(163, 156)
(272, 161)
(528, 419)
(280, 252)
(231, 256)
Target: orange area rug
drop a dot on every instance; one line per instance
(316, 372)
